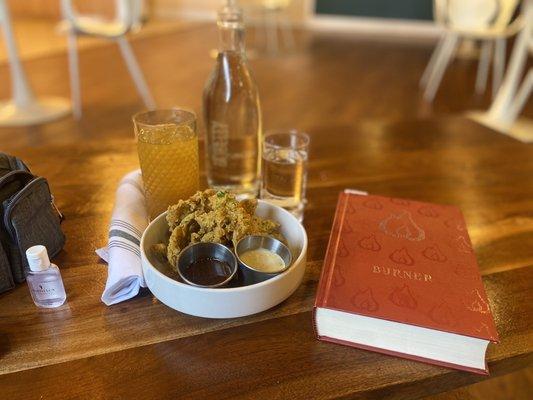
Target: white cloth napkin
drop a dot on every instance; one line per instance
(123, 255)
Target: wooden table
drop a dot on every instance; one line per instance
(143, 349)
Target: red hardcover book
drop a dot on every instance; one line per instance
(400, 277)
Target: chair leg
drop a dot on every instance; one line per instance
(286, 31)
(264, 26)
(135, 72)
(499, 65)
(272, 32)
(499, 110)
(74, 70)
(483, 67)
(448, 49)
(521, 97)
(431, 64)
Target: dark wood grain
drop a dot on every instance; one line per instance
(278, 359)
(362, 138)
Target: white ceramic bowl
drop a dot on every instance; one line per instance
(225, 302)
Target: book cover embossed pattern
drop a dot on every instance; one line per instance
(405, 261)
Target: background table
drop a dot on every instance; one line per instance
(143, 349)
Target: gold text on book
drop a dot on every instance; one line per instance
(401, 273)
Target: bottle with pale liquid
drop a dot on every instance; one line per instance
(232, 113)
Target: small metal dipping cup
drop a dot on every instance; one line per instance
(253, 242)
(198, 251)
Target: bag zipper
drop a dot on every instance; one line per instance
(59, 213)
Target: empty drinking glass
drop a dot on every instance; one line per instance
(284, 170)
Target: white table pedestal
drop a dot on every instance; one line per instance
(24, 108)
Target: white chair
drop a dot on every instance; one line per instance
(24, 108)
(486, 20)
(275, 16)
(513, 95)
(128, 14)
(272, 17)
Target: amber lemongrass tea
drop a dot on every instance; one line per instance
(167, 144)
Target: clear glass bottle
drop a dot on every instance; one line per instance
(44, 279)
(232, 113)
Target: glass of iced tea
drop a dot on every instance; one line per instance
(284, 170)
(167, 143)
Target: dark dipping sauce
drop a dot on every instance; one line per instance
(207, 271)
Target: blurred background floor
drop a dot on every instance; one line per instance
(327, 79)
(42, 37)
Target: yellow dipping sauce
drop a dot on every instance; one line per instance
(263, 260)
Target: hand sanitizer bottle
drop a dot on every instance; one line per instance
(44, 279)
